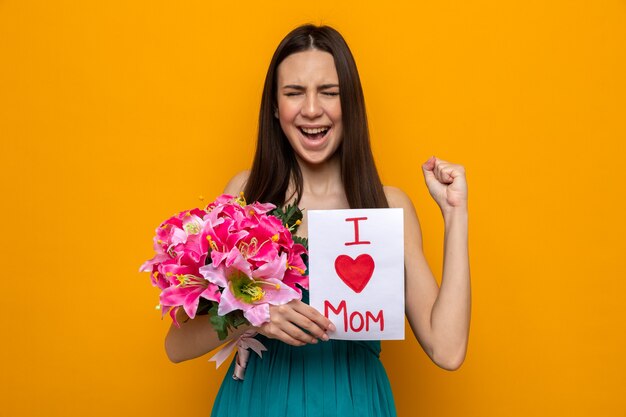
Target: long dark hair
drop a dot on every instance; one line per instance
(275, 163)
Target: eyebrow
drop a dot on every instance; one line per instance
(300, 87)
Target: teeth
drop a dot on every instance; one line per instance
(314, 131)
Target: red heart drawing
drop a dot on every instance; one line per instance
(356, 273)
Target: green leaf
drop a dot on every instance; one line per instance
(224, 324)
(219, 323)
(203, 307)
(236, 319)
(288, 216)
(301, 240)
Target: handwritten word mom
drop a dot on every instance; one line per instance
(355, 320)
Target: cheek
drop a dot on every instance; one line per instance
(286, 110)
(339, 134)
(335, 113)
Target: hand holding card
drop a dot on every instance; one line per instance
(287, 322)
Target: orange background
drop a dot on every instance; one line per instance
(115, 115)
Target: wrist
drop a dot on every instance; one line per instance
(451, 213)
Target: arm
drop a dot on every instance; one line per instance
(439, 317)
(194, 337)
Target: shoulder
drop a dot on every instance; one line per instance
(397, 198)
(237, 183)
(412, 228)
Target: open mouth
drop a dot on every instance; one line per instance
(315, 133)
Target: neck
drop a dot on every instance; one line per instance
(322, 179)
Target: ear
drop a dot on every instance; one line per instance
(276, 113)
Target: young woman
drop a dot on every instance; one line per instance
(313, 149)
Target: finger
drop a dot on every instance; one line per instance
(439, 165)
(309, 320)
(453, 171)
(312, 328)
(298, 334)
(427, 169)
(275, 331)
(318, 323)
(437, 172)
(289, 319)
(285, 337)
(444, 172)
(429, 164)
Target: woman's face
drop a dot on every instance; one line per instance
(309, 107)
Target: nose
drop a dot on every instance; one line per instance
(311, 108)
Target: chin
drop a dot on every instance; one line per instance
(315, 160)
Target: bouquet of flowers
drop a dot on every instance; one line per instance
(229, 260)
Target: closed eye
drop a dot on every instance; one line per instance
(297, 93)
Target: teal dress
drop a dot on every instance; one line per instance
(334, 378)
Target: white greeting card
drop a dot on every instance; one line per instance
(356, 271)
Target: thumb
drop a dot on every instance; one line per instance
(428, 168)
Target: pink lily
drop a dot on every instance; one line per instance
(186, 289)
(251, 292)
(296, 269)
